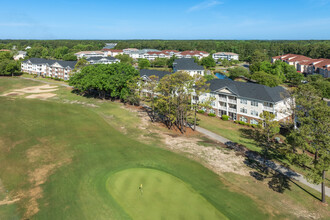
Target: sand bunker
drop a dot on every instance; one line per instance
(41, 96)
(37, 92)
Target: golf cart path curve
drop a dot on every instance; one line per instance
(274, 166)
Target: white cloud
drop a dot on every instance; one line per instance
(204, 5)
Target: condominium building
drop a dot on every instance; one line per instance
(50, 68)
(225, 55)
(188, 65)
(20, 55)
(306, 65)
(246, 101)
(112, 52)
(88, 54)
(102, 60)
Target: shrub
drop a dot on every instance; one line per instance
(225, 117)
(242, 123)
(236, 121)
(211, 115)
(201, 111)
(254, 126)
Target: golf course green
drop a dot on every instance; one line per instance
(152, 194)
(70, 161)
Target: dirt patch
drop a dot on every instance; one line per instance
(217, 159)
(38, 92)
(37, 89)
(41, 96)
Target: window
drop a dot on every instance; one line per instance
(243, 110)
(254, 112)
(242, 118)
(212, 111)
(243, 101)
(253, 121)
(213, 103)
(254, 103)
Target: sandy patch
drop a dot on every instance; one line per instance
(37, 89)
(38, 92)
(41, 96)
(219, 160)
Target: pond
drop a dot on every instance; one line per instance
(221, 76)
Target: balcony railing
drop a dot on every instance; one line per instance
(232, 109)
(232, 101)
(223, 107)
(271, 109)
(222, 99)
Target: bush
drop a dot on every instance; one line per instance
(225, 117)
(236, 121)
(201, 111)
(211, 114)
(254, 126)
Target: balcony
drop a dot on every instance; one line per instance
(233, 101)
(232, 109)
(222, 99)
(223, 107)
(271, 109)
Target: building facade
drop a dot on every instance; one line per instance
(225, 55)
(88, 54)
(102, 60)
(188, 65)
(48, 68)
(246, 101)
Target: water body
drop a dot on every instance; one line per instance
(221, 76)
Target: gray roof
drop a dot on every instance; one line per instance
(148, 73)
(100, 58)
(70, 64)
(250, 90)
(186, 64)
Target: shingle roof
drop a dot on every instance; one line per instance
(250, 90)
(186, 64)
(100, 58)
(148, 73)
(70, 64)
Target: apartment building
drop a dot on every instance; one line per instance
(88, 54)
(102, 60)
(305, 64)
(145, 74)
(50, 68)
(246, 101)
(20, 55)
(188, 65)
(225, 55)
(112, 52)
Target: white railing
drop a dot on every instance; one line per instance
(223, 107)
(233, 101)
(222, 99)
(232, 109)
(271, 109)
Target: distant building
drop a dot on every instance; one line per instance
(4, 50)
(188, 65)
(28, 47)
(305, 64)
(110, 46)
(192, 53)
(20, 55)
(146, 73)
(88, 54)
(48, 68)
(225, 55)
(246, 101)
(112, 52)
(102, 60)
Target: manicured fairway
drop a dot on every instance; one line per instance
(162, 196)
(72, 153)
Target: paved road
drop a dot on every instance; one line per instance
(46, 82)
(277, 167)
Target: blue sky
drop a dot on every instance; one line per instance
(154, 19)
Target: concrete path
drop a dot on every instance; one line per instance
(274, 166)
(53, 83)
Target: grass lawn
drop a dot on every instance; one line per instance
(229, 130)
(161, 196)
(58, 158)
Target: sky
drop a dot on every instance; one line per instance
(170, 19)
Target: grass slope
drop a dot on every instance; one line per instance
(77, 151)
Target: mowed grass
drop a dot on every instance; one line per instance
(161, 196)
(229, 130)
(70, 151)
